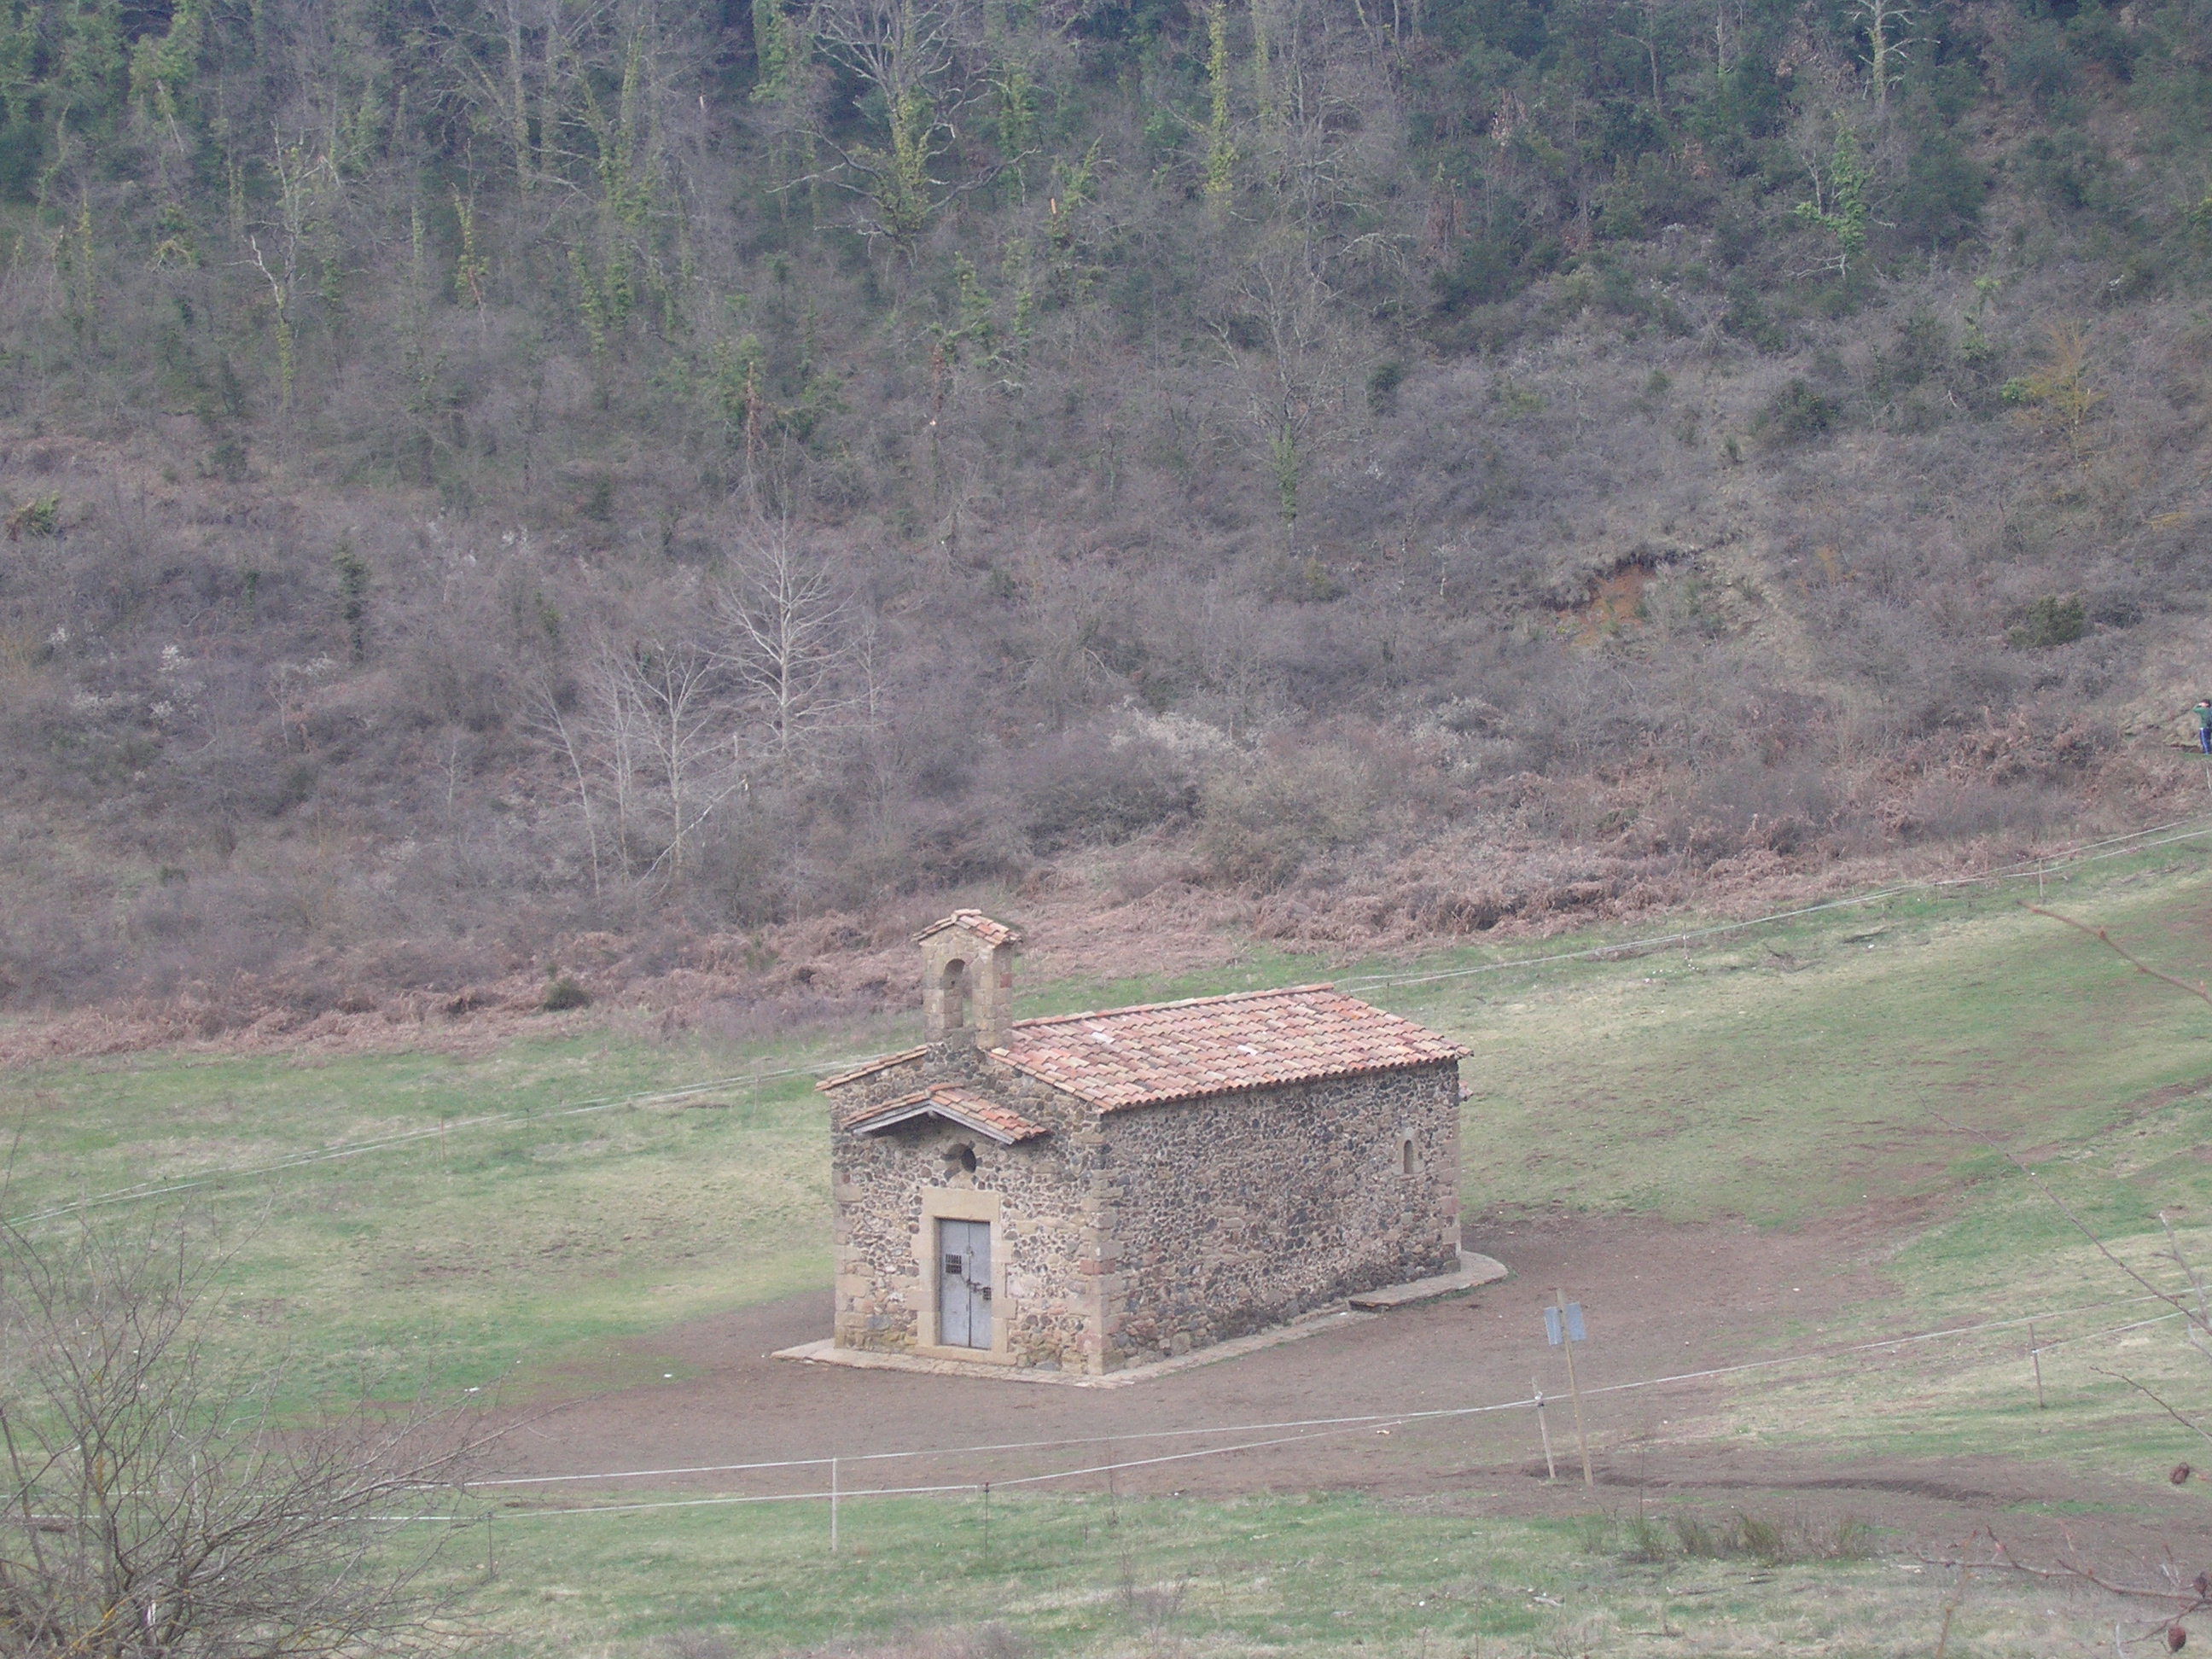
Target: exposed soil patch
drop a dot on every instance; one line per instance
(1662, 1301)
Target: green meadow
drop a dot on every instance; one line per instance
(460, 1219)
(1320, 1573)
(476, 1246)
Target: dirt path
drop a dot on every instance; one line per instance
(1662, 1300)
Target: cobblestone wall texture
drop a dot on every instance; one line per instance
(1239, 1212)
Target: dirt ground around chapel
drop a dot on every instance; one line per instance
(1661, 1299)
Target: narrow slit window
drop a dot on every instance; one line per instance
(1406, 1156)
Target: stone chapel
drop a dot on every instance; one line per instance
(1090, 1192)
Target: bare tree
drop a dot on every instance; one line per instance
(157, 1506)
(1888, 27)
(524, 62)
(654, 737)
(1310, 75)
(308, 185)
(1282, 305)
(555, 722)
(913, 56)
(609, 742)
(787, 638)
(663, 740)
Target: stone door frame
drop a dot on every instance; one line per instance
(962, 1204)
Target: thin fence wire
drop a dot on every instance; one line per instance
(1315, 1429)
(1310, 1429)
(2110, 1330)
(844, 1492)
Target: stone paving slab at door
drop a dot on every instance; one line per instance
(1473, 1270)
(827, 1352)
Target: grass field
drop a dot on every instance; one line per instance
(1850, 1060)
(1314, 1574)
(1819, 1067)
(481, 1246)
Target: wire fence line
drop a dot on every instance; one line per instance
(840, 1494)
(1303, 1429)
(2111, 1330)
(1359, 1420)
(2118, 846)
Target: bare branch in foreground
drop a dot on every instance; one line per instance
(2187, 1599)
(2153, 1396)
(158, 1501)
(2193, 1315)
(2200, 991)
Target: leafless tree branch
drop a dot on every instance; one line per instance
(156, 1504)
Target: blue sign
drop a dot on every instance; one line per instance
(1575, 1331)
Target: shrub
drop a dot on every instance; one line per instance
(1686, 1536)
(1923, 349)
(227, 458)
(1940, 201)
(1259, 826)
(2069, 169)
(2037, 63)
(563, 994)
(1796, 414)
(2095, 36)
(39, 516)
(1493, 268)
(1748, 318)
(1096, 786)
(447, 677)
(2050, 621)
(1383, 383)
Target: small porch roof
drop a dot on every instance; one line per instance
(954, 1104)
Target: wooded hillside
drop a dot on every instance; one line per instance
(479, 471)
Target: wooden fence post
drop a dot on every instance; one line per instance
(1551, 1469)
(1575, 1394)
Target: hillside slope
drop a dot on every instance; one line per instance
(483, 477)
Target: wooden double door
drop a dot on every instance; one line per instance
(963, 1283)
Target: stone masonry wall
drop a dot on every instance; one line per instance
(1043, 1269)
(1228, 1214)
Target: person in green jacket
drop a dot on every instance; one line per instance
(2203, 713)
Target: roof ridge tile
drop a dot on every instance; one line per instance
(1181, 1002)
(1153, 1053)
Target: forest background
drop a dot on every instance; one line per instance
(633, 497)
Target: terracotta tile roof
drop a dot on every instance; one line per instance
(1216, 1045)
(990, 932)
(870, 1069)
(947, 1100)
